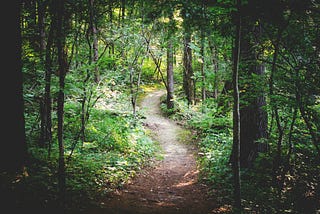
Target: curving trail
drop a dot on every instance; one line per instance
(171, 186)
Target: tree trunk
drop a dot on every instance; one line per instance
(41, 25)
(214, 59)
(62, 61)
(123, 9)
(253, 116)
(236, 116)
(170, 88)
(95, 41)
(203, 74)
(13, 152)
(188, 83)
(275, 113)
(46, 134)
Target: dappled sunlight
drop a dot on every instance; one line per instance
(165, 204)
(189, 178)
(222, 209)
(186, 183)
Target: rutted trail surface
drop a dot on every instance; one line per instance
(171, 185)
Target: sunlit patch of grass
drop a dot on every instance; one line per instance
(184, 136)
(148, 88)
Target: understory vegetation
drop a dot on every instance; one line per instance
(117, 146)
(298, 192)
(242, 76)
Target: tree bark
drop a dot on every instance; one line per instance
(13, 152)
(253, 116)
(41, 25)
(46, 134)
(94, 41)
(62, 62)
(170, 81)
(203, 74)
(188, 83)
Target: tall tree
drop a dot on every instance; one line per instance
(63, 67)
(46, 105)
(236, 114)
(13, 155)
(253, 114)
(170, 79)
(202, 38)
(94, 32)
(170, 83)
(188, 76)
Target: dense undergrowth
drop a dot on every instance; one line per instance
(297, 191)
(116, 147)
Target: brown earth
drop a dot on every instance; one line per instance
(171, 185)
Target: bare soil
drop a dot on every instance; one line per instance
(171, 185)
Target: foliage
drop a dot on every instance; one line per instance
(105, 145)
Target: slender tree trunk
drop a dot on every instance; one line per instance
(47, 105)
(95, 41)
(62, 61)
(123, 9)
(275, 113)
(188, 72)
(203, 74)
(236, 116)
(83, 115)
(170, 88)
(41, 26)
(134, 89)
(290, 144)
(214, 59)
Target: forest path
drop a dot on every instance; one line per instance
(171, 184)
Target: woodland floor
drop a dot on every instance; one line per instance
(171, 184)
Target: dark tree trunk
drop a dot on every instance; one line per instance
(123, 9)
(62, 61)
(277, 162)
(41, 25)
(253, 116)
(170, 88)
(13, 152)
(203, 74)
(46, 134)
(188, 82)
(45, 54)
(253, 126)
(214, 59)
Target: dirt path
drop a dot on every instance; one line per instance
(170, 186)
